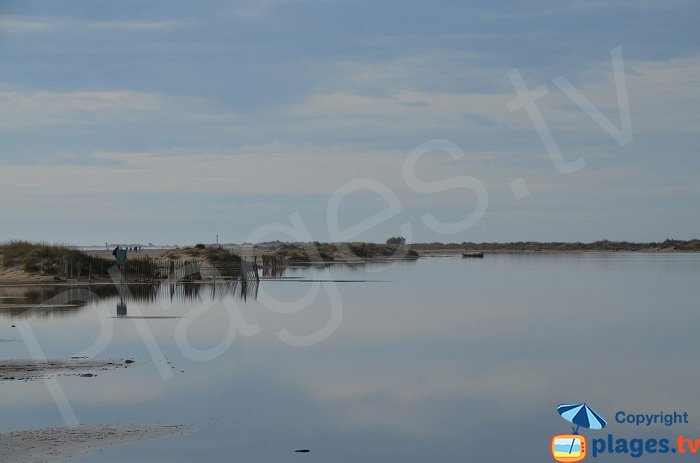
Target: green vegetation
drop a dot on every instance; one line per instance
(200, 251)
(396, 241)
(330, 252)
(307, 253)
(51, 259)
(292, 253)
(371, 250)
(604, 245)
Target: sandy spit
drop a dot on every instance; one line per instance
(11, 370)
(51, 444)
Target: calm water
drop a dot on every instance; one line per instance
(443, 359)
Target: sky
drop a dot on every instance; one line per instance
(171, 121)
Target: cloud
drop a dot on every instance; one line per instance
(386, 103)
(629, 4)
(403, 110)
(401, 96)
(31, 25)
(311, 154)
(25, 25)
(289, 170)
(255, 9)
(135, 25)
(23, 109)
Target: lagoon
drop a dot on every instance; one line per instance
(439, 359)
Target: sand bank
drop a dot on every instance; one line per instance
(34, 369)
(51, 444)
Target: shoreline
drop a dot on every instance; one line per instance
(45, 281)
(29, 370)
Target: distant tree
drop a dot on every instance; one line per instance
(200, 246)
(396, 240)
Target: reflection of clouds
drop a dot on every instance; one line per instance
(112, 388)
(438, 370)
(118, 388)
(444, 385)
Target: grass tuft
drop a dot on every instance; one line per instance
(49, 259)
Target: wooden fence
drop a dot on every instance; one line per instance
(146, 269)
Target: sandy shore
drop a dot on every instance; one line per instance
(51, 444)
(23, 370)
(15, 276)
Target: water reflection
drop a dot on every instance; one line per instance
(273, 272)
(62, 301)
(43, 302)
(121, 308)
(439, 363)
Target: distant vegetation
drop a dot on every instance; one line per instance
(604, 245)
(330, 252)
(307, 252)
(370, 250)
(211, 253)
(396, 240)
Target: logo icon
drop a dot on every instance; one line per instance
(570, 448)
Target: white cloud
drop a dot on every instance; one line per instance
(251, 9)
(38, 108)
(270, 170)
(283, 170)
(403, 110)
(649, 5)
(23, 25)
(136, 25)
(31, 24)
(22, 109)
(255, 9)
(662, 95)
(663, 98)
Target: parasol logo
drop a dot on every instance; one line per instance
(572, 448)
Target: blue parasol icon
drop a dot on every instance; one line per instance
(581, 415)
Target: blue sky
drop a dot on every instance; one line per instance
(172, 121)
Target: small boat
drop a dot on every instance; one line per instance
(478, 255)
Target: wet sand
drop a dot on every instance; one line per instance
(23, 370)
(51, 444)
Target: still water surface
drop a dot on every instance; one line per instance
(442, 359)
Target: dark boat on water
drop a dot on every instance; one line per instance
(477, 255)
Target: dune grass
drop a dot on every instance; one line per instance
(48, 259)
(211, 253)
(329, 252)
